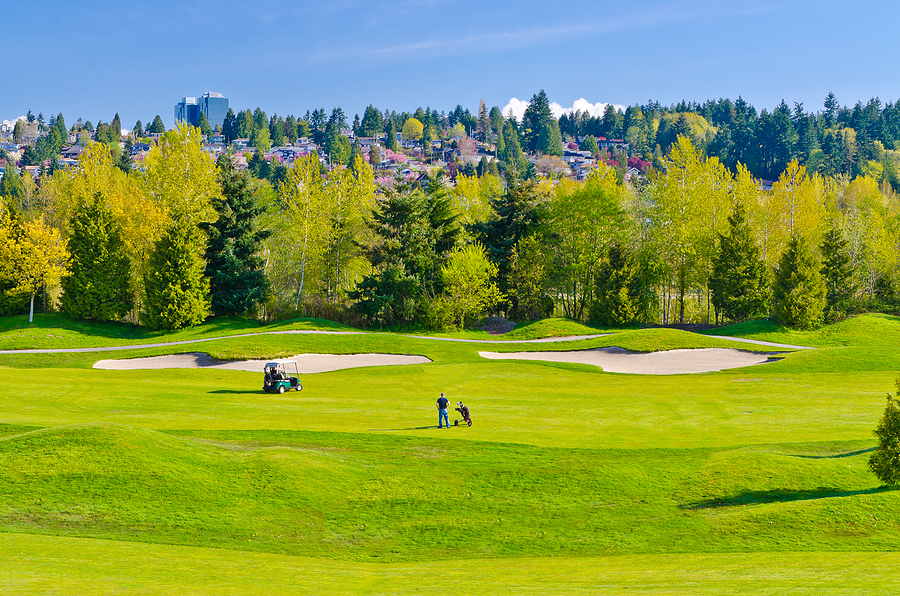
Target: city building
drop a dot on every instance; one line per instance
(213, 105)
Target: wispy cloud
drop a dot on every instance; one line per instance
(538, 35)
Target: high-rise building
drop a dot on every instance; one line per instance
(213, 105)
(186, 111)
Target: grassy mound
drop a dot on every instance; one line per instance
(554, 327)
(52, 331)
(863, 330)
(346, 497)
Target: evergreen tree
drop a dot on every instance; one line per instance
(115, 129)
(799, 292)
(589, 144)
(157, 126)
(516, 214)
(228, 126)
(203, 124)
(374, 156)
(176, 291)
(372, 122)
(536, 116)
(235, 270)
(885, 460)
(618, 293)
(276, 131)
(511, 152)
(483, 128)
(550, 139)
(837, 271)
(416, 230)
(390, 137)
(98, 286)
(739, 283)
(138, 130)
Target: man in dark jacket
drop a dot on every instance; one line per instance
(442, 404)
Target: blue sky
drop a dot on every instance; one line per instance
(92, 59)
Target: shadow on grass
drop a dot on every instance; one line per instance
(836, 455)
(435, 426)
(781, 496)
(237, 392)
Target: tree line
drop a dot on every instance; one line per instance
(697, 240)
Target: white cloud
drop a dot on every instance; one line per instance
(518, 107)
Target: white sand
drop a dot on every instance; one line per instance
(307, 363)
(671, 362)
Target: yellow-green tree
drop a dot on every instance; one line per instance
(469, 288)
(181, 179)
(301, 228)
(584, 221)
(412, 130)
(140, 221)
(349, 197)
(689, 207)
(38, 257)
(472, 198)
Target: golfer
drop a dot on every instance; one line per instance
(442, 404)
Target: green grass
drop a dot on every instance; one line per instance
(54, 331)
(870, 330)
(35, 564)
(571, 480)
(554, 327)
(384, 498)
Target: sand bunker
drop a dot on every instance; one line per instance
(307, 363)
(671, 362)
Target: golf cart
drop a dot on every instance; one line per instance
(278, 380)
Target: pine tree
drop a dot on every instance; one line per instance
(228, 126)
(537, 114)
(235, 270)
(115, 129)
(739, 283)
(374, 156)
(176, 291)
(799, 294)
(203, 124)
(836, 270)
(516, 214)
(390, 137)
(885, 460)
(157, 126)
(99, 284)
(484, 122)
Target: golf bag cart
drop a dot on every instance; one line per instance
(462, 409)
(278, 380)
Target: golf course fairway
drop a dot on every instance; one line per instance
(571, 480)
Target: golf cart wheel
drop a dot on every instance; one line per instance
(281, 389)
(299, 387)
(456, 423)
(470, 423)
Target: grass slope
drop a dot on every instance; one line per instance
(572, 480)
(869, 330)
(36, 564)
(399, 499)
